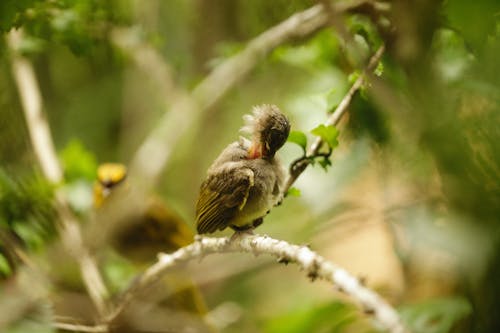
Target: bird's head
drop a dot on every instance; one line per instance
(109, 175)
(269, 129)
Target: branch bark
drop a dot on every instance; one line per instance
(81, 328)
(313, 264)
(43, 147)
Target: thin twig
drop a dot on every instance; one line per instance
(334, 119)
(154, 153)
(44, 150)
(80, 328)
(313, 264)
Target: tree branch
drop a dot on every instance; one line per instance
(43, 147)
(313, 264)
(154, 153)
(302, 163)
(81, 328)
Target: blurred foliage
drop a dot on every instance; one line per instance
(10, 12)
(76, 24)
(78, 162)
(428, 119)
(366, 118)
(27, 218)
(321, 50)
(436, 315)
(26, 208)
(332, 317)
(79, 168)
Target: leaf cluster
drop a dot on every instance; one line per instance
(328, 136)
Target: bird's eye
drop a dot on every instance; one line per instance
(275, 133)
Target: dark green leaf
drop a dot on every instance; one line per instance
(328, 134)
(360, 25)
(10, 11)
(365, 117)
(299, 138)
(325, 162)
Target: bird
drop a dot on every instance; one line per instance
(157, 229)
(145, 234)
(246, 180)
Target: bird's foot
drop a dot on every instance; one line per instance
(239, 231)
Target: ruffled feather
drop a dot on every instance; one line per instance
(256, 122)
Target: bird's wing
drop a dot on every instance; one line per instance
(222, 195)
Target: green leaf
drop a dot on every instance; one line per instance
(436, 315)
(353, 76)
(325, 163)
(78, 162)
(380, 69)
(10, 12)
(5, 269)
(333, 98)
(299, 138)
(328, 134)
(293, 192)
(119, 272)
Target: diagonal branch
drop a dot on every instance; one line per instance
(81, 328)
(185, 109)
(44, 150)
(300, 165)
(313, 264)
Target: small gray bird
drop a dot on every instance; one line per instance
(246, 180)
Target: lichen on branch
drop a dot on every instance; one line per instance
(314, 265)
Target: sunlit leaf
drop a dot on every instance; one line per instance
(379, 70)
(5, 269)
(299, 138)
(293, 192)
(328, 134)
(353, 76)
(78, 162)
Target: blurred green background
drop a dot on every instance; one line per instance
(411, 202)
